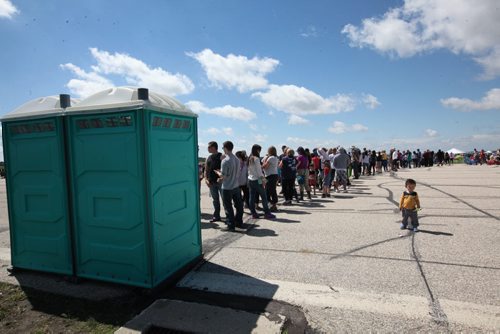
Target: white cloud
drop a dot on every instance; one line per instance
(304, 142)
(359, 127)
(460, 26)
(253, 127)
(312, 143)
(491, 64)
(215, 131)
(7, 9)
(227, 111)
(491, 101)
(296, 140)
(261, 138)
(302, 101)
(297, 120)
(212, 131)
(341, 127)
(370, 101)
(137, 73)
(488, 141)
(485, 136)
(235, 71)
(431, 133)
(310, 31)
(134, 71)
(87, 83)
(228, 131)
(338, 127)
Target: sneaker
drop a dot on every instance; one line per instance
(345, 191)
(287, 203)
(323, 195)
(415, 229)
(402, 227)
(269, 216)
(328, 195)
(273, 208)
(255, 216)
(229, 228)
(215, 219)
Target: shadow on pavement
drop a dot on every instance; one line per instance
(117, 304)
(436, 233)
(205, 226)
(285, 220)
(294, 212)
(258, 232)
(206, 216)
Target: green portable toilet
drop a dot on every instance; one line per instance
(37, 197)
(134, 186)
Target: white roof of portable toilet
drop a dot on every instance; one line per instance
(37, 108)
(126, 98)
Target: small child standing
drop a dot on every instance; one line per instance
(409, 204)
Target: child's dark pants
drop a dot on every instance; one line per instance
(412, 214)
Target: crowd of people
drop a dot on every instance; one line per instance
(480, 157)
(245, 181)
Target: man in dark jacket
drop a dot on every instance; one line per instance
(212, 164)
(356, 157)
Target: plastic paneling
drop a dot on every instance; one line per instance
(108, 189)
(37, 195)
(173, 164)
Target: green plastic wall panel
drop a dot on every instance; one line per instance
(173, 174)
(111, 231)
(37, 195)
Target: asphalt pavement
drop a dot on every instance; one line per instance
(344, 262)
(347, 264)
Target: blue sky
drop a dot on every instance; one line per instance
(378, 74)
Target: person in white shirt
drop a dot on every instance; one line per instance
(395, 160)
(256, 181)
(270, 166)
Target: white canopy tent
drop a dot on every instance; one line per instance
(455, 151)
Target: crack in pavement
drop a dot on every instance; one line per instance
(437, 313)
(306, 251)
(452, 196)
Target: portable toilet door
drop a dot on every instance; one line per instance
(109, 191)
(37, 197)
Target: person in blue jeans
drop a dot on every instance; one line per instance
(212, 164)
(228, 176)
(256, 183)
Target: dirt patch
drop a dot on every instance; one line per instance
(25, 310)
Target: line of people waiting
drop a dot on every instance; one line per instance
(245, 181)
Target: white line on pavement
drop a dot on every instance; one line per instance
(469, 314)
